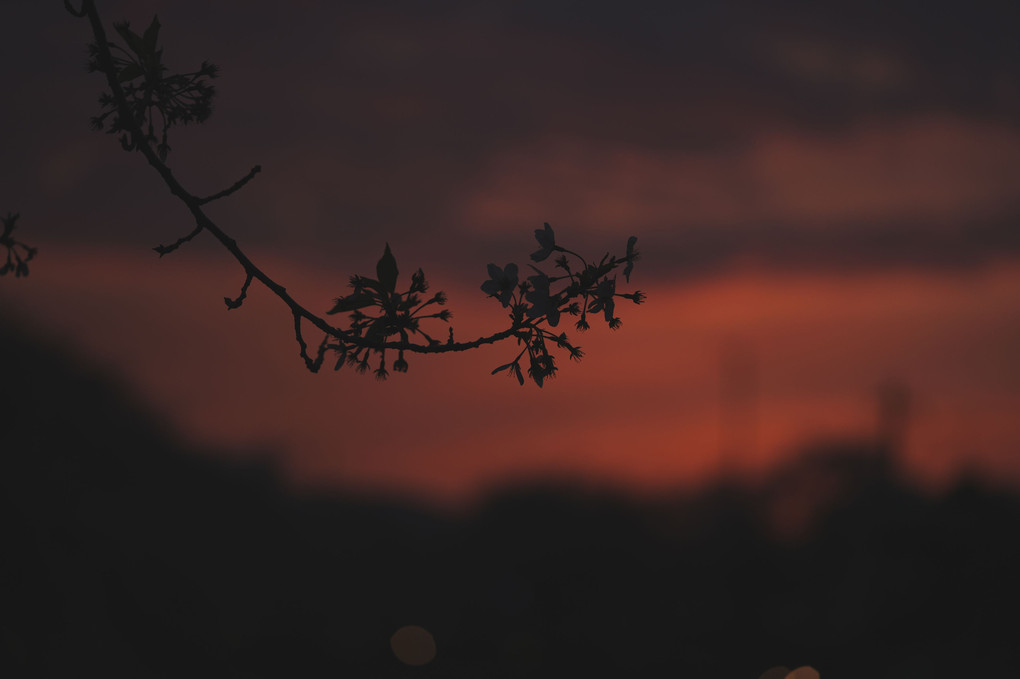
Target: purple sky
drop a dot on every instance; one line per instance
(849, 145)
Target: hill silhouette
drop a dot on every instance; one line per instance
(127, 554)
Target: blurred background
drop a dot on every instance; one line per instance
(823, 381)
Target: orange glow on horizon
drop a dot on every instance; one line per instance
(644, 409)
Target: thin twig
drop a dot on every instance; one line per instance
(238, 185)
(167, 249)
(236, 302)
(313, 365)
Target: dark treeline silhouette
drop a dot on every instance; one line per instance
(127, 555)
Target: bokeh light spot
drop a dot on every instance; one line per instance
(413, 645)
(805, 672)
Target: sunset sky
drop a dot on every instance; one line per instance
(826, 196)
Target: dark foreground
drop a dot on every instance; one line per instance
(125, 556)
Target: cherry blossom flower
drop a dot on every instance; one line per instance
(501, 283)
(547, 240)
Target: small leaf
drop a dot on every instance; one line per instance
(386, 271)
(632, 256)
(501, 368)
(133, 40)
(547, 239)
(151, 35)
(351, 303)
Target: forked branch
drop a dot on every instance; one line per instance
(145, 96)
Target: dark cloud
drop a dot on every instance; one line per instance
(840, 249)
(376, 120)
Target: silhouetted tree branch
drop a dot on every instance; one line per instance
(18, 254)
(145, 100)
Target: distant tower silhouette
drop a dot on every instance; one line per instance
(893, 413)
(738, 396)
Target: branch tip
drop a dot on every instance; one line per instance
(237, 186)
(167, 249)
(239, 300)
(75, 12)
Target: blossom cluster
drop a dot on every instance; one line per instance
(18, 254)
(537, 303)
(144, 96)
(177, 98)
(378, 312)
